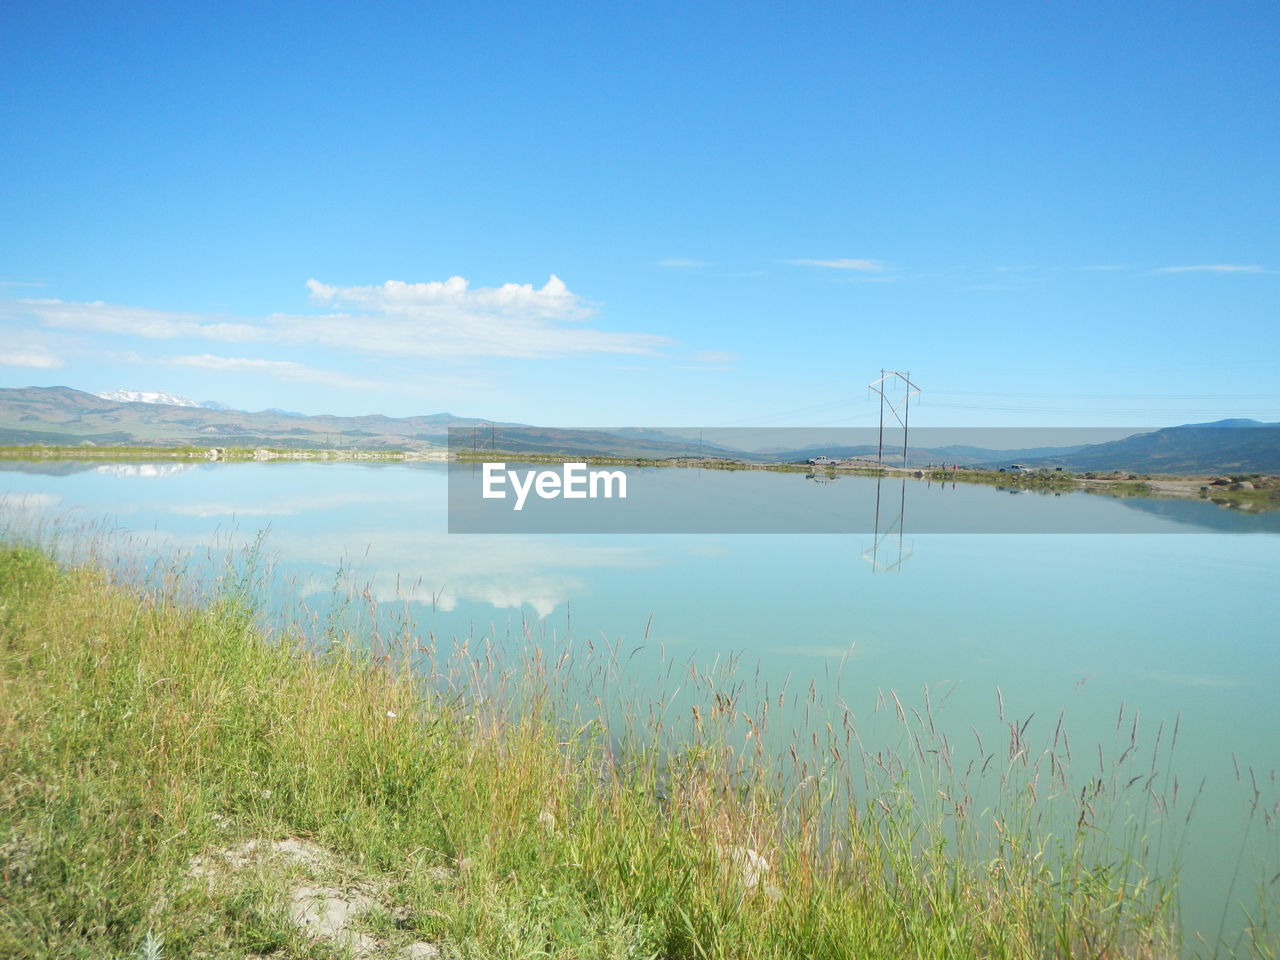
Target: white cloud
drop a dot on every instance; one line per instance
(405, 564)
(282, 369)
(28, 502)
(870, 266)
(129, 471)
(451, 319)
(1197, 679)
(279, 506)
(681, 263)
(553, 299)
(1214, 268)
(288, 370)
(99, 317)
(37, 358)
(438, 319)
(714, 356)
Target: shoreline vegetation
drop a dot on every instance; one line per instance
(145, 453)
(1245, 492)
(176, 774)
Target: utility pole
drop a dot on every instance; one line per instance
(890, 382)
(902, 380)
(880, 445)
(906, 417)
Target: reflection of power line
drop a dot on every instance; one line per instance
(892, 531)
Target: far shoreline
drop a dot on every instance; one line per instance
(1249, 492)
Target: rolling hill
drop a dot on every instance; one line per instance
(63, 416)
(1225, 446)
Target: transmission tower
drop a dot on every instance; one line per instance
(899, 406)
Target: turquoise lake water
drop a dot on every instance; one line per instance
(1178, 624)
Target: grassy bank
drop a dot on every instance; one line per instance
(152, 752)
(150, 454)
(1119, 484)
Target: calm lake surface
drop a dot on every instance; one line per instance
(1178, 622)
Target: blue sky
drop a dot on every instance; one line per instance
(660, 214)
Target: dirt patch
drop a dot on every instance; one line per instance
(241, 856)
(321, 912)
(1177, 488)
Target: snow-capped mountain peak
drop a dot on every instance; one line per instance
(157, 396)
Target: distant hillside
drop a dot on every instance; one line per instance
(1226, 446)
(965, 456)
(61, 415)
(65, 417)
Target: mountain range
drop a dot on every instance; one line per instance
(64, 416)
(155, 396)
(1224, 446)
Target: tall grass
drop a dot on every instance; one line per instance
(530, 801)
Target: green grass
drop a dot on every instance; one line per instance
(1263, 499)
(40, 451)
(138, 732)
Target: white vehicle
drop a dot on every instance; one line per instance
(823, 462)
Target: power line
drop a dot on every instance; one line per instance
(784, 414)
(1108, 396)
(904, 417)
(1012, 406)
